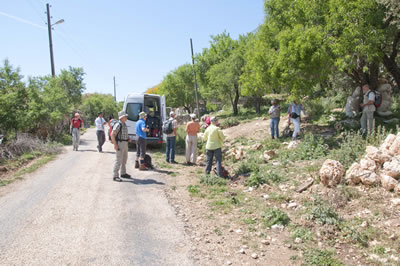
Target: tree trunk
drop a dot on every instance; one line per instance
(236, 101)
(257, 101)
(187, 109)
(390, 61)
(373, 75)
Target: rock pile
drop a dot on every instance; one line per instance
(331, 173)
(378, 166)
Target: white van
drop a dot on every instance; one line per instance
(154, 106)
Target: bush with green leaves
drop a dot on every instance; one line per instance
(212, 180)
(274, 216)
(230, 122)
(246, 167)
(265, 176)
(352, 145)
(317, 256)
(322, 213)
(312, 147)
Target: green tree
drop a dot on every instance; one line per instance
(94, 103)
(178, 88)
(13, 99)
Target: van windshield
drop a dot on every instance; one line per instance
(133, 110)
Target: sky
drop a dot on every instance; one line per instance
(138, 42)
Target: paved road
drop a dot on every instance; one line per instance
(71, 212)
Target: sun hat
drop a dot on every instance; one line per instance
(213, 119)
(76, 114)
(193, 116)
(122, 114)
(172, 113)
(142, 114)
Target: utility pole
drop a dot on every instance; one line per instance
(53, 73)
(195, 81)
(115, 91)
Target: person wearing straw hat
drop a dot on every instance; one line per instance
(120, 140)
(192, 128)
(75, 129)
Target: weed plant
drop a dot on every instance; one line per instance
(230, 122)
(311, 148)
(274, 216)
(321, 212)
(317, 256)
(212, 180)
(265, 176)
(301, 232)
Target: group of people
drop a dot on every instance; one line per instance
(294, 114)
(213, 135)
(295, 109)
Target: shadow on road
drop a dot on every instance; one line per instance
(143, 181)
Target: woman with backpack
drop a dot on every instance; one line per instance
(294, 111)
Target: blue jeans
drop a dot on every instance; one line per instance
(171, 141)
(218, 161)
(275, 127)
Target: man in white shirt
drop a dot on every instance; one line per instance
(368, 109)
(101, 136)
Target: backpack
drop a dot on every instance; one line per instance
(113, 122)
(147, 161)
(167, 127)
(225, 173)
(378, 98)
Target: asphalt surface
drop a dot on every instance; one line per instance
(71, 212)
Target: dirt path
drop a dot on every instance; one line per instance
(72, 212)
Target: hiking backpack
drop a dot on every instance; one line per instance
(167, 127)
(147, 161)
(118, 137)
(378, 98)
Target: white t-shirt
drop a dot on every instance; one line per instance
(100, 123)
(369, 96)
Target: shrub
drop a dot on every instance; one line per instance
(25, 143)
(212, 180)
(311, 148)
(274, 216)
(246, 166)
(320, 212)
(316, 256)
(230, 122)
(193, 190)
(302, 233)
(267, 177)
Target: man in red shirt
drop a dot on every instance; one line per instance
(75, 129)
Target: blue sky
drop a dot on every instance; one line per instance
(138, 42)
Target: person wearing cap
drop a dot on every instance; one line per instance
(101, 136)
(141, 136)
(215, 140)
(192, 128)
(120, 140)
(75, 129)
(275, 113)
(171, 140)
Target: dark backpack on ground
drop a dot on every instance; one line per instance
(378, 98)
(167, 127)
(294, 115)
(147, 161)
(225, 173)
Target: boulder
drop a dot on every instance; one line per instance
(377, 155)
(385, 146)
(293, 144)
(368, 164)
(397, 189)
(331, 173)
(388, 182)
(256, 146)
(368, 178)
(353, 174)
(392, 168)
(395, 147)
(352, 106)
(268, 155)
